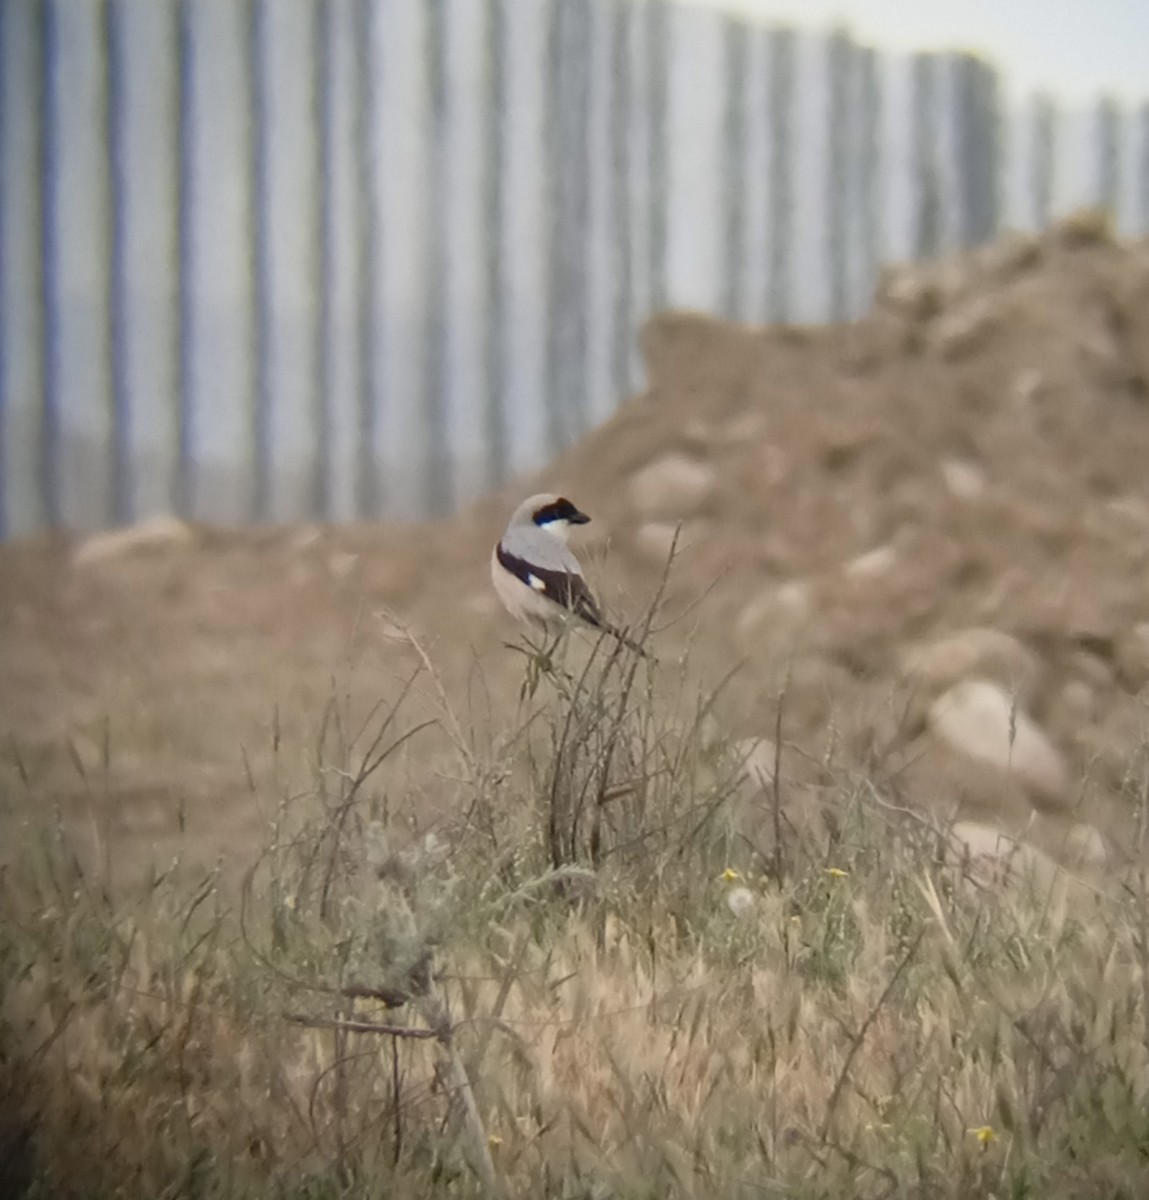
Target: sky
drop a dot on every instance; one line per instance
(1075, 49)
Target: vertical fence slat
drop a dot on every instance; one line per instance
(22, 308)
(256, 33)
(122, 466)
(288, 269)
(49, 448)
(734, 146)
(144, 106)
(324, 384)
(222, 346)
(369, 491)
(1045, 121)
(435, 488)
(869, 156)
(406, 225)
(343, 202)
(696, 260)
(978, 150)
(1128, 148)
(619, 165)
(638, 135)
(601, 386)
(461, 461)
(927, 169)
(567, 206)
(525, 227)
(658, 148)
(755, 172)
(812, 170)
(495, 418)
(78, 228)
(840, 178)
(1141, 171)
(1109, 123)
(183, 482)
(782, 72)
(898, 167)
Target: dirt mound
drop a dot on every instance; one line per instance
(929, 527)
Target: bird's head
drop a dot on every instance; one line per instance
(555, 514)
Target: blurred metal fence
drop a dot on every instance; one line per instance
(278, 259)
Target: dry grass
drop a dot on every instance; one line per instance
(552, 996)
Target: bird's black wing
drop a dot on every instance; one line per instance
(563, 587)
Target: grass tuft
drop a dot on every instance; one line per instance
(603, 975)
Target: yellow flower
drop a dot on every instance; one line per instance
(730, 875)
(984, 1134)
(837, 872)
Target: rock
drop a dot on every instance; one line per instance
(1131, 653)
(873, 563)
(757, 756)
(151, 536)
(1073, 707)
(965, 328)
(748, 427)
(341, 564)
(1085, 847)
(979, 719)
(655, 539)
(672, 486)
(963, 480)
(1025, 387)
(787, 605)
(992, 857)
(935, 777)
(1084, 226)
(979, 651)
(1131, 510)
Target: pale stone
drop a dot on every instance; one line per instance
(655, 539)
(787, 605)
(342, 563)
(757, 756)
(747, 428)
(963, 480)
(993, 857)
(982, 721)
(1073, 706)
(1132, 655)
(157, 533)
(977, 651)
(1085, 846)
(672, 486)
(305, 537)
(1131, 509)
(873, 563)
(1026, 384)
(964, 328)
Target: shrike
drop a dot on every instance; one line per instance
(535, 574)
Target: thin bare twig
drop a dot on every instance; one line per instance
(776, 792)
(347, 1026)
(860, 1036)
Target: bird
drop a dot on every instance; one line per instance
(536, 575)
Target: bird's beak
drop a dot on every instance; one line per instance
(578, 518)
